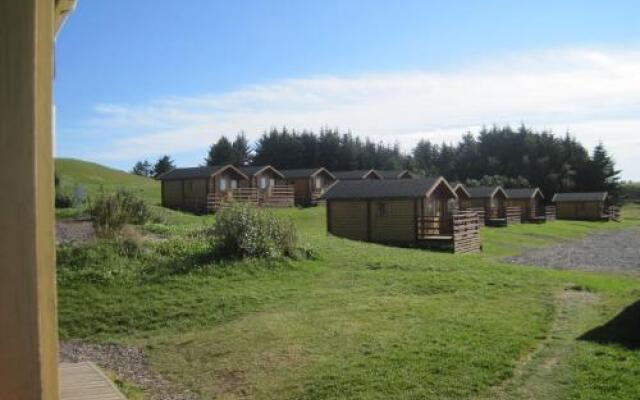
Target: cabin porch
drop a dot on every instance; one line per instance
(458, 232)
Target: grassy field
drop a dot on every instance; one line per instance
(95, 177)
(357, 320)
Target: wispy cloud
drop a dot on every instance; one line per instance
(593, 93)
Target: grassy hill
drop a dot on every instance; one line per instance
(95, 177)
(630, 192)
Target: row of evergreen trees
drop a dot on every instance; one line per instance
(498, 155)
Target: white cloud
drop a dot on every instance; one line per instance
(593, 93)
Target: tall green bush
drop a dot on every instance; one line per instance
(111, 211)
(244, 231)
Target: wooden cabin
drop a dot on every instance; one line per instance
(308, 184)
(463, 197)
(530, 201)
(406, 212)
(395, 174)
(592, 206)
(356, 175)
(270, 185)
(492, 200)
(202, 189)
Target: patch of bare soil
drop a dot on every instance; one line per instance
(74, 231)
(542, 374)
(127, 362)
(617, 251)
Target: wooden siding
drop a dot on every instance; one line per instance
(392, 221)
(579, 210)
(348, 219)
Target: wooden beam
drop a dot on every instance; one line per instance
(28, 328)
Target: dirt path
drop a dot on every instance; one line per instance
(542, 373)
(617, 251)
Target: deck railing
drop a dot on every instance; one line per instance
(513, 214)
(238, 195)
(550, 213)
(278, 196)
(430, 225)
(614, 213)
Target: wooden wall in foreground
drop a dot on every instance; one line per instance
(28, 329)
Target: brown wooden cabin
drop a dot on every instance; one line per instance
(406, 212)
(395, 174)
(530, 201)
(195, 189)
(356, 174)
(492, 200)
(592, 206)
(308, 184)
(270, 185)
(463, 197)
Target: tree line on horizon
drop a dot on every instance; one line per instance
(509, 157)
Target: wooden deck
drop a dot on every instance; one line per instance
(84, 381)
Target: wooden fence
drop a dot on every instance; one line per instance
(479, 211)
(513, 215)
(614, 213)
(466, 232)
(550, 213)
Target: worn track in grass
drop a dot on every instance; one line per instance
(542, 374)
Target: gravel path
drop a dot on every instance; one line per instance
(617, 251)
(74, 231)
(129, 363)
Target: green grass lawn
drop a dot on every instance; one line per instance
(363, 321)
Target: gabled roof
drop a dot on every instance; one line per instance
(381, 189)
(523, 194)
(355, 174)
(304, 173)
(198, 172)
(255, 170)
(457, 186)
(484, 192)
(585, 196)
(392, 174)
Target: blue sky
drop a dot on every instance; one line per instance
(136, 79)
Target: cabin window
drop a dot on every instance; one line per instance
(318, 182)
(234, 184)
(263, 182)
(382, 210)
(223, 184)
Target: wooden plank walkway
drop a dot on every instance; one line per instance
(84, 381)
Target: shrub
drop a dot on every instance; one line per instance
(63, 201)
(245, 231)
(111, 211)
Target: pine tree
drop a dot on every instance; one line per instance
(241, 150)
(142, 168)
(162, 166)
(221, 153)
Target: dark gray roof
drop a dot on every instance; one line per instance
(253, 170)
(302, 173)
(354, 174)
(391, 174)
(378, 189)
(191, 173)
(459, 186)
(585, 196)
(482, 192)
(525, 193)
